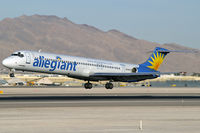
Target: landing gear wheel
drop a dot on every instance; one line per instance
(12, 75)
(88, 85)
(109, 85)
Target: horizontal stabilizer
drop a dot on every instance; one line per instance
(180, 51)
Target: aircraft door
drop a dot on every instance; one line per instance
(123, 67)
(28, 58)
(99, 66)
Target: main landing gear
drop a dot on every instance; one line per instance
(109, 85)
(88, 85)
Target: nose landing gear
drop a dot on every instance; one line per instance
(12, 73)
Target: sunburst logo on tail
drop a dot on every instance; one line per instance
(157, 60)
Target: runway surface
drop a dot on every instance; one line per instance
(10, 101)
(75, 110)
(79, 97)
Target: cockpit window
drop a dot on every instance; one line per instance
(19, 54)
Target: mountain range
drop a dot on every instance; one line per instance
(60, 35)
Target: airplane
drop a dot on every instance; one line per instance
(87, 69)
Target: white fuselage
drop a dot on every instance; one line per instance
(77, 67)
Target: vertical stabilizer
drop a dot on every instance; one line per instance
(154, 61)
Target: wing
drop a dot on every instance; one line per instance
(125, 77)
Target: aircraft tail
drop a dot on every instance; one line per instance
(154, 61)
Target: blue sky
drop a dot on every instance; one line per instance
(161, 21)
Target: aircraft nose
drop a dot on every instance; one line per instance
(6, 62)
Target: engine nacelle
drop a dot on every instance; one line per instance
(134, 70)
